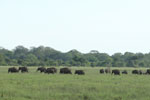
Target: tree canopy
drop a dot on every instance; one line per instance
(46, 56)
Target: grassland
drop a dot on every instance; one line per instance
(91, 86)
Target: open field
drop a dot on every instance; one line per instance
(91, 86)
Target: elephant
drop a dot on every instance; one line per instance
(124, 72)
(116, 72)
(135, 72)
(13, 70)
(79, 72)
(23, 69)
(65, 71)
(55, 70)
(148, 71)
(51, 70)
(41, 69)
(101, 71)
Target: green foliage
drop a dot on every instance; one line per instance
(2, 60)
(46, 56)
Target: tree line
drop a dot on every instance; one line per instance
(46, 56)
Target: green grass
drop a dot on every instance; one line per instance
(91, 86)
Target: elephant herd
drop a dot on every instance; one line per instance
(53, 70)
(15, 70)
(118, 72)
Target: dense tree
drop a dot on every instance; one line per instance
(118, 60)
(46, 56)
(2, 60)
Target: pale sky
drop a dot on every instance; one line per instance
(108, 26)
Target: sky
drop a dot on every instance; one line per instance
(108, 26)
